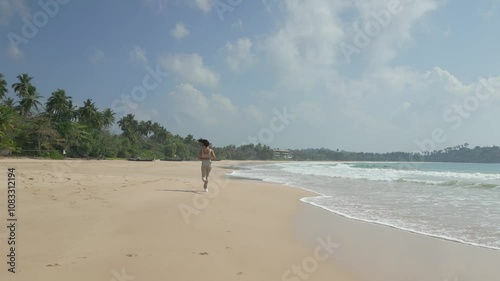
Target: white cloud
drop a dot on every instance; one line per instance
(239, 54)
(254, 112)
(179, 31)
(221, 103)
(303, 50)
(377, 105)
(310, 38)
(193, 103)
(303, 68)
(138, 55)
(97, 56)
(446, 80)
(404, 105)
(190, 68)
(204, 5)
(385, 44)
(14, 52)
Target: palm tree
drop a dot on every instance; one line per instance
(30, 101)
(128, 125)
(89, 114)
(58, 106)
(3, 86)
(27, 93)
(9, 102)
(24, 86)
(145, 128)
(6, 120)
(108, 118)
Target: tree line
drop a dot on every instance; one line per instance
(460, 153)
(29, 127)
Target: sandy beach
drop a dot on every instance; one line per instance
(120, 220)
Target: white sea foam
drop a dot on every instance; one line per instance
(450, 201)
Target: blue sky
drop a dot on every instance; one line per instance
(272, 71)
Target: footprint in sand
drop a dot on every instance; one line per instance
(53, 265)
(240, 273)
(203, 254)
(131, 255)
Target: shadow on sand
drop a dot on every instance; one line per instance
(180, 190)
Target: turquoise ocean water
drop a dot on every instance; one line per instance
(454, 201)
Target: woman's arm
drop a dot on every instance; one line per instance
(199, 156)
(213, 155)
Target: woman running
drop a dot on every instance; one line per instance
(206, 156)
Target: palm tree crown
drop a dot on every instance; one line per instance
(27, 93)
(89, 114)
(108, 118)
(59, 106)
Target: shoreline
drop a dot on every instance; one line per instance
(320, 195)
(443, 238)
(458, 260)
(380, 253)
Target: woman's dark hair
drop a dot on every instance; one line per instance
(204, 142)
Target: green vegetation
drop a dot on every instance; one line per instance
(460, 153)
(29, 127)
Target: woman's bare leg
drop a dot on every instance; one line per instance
(209, 168)
(203, 173)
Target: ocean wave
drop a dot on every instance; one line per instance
(387, 174)
(420, 207)
(401, 226)
(451, 183)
